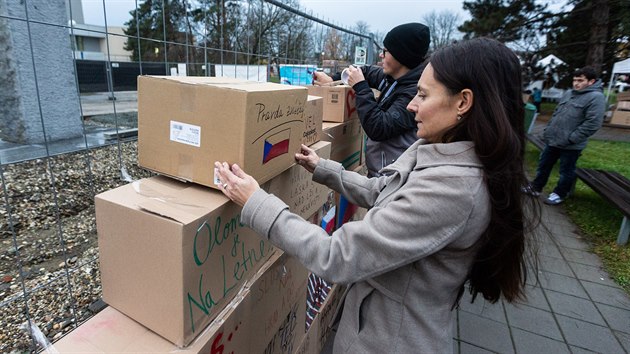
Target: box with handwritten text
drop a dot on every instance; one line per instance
(296, 187)
(185, 124)
(313, 114)
(318, 334)
(339, 102)
(266, 316)
(172, 254)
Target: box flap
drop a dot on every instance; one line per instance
(230, 83)
(182, 202)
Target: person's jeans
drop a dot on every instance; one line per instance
(548, 158)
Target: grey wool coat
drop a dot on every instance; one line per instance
(405, 261)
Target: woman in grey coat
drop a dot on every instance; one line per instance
(449, 214)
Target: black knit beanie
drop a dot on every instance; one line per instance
(408, 43)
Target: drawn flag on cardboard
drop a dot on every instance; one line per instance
(346, 211)
(276, 145)
(328, 221)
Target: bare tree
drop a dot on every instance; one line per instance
(443, 27)
(333, 45)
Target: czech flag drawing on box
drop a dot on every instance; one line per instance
(276, 145)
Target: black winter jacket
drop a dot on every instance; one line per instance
(390, 128)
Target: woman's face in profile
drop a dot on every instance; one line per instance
(434, 106)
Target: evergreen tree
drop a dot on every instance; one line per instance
(594, 32)
(504, 20)
(154, 23)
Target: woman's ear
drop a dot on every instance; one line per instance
(465, 102)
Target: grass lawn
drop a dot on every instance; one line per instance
(597, 219)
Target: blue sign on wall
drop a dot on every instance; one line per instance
(297, 74)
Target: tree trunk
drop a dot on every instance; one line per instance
(599, 34)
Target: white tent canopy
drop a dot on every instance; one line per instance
(620, 67)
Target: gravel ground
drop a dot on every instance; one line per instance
(48, 245)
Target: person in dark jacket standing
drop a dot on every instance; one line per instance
(389, 126)
(579, 115)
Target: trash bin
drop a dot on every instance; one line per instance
(530, 113)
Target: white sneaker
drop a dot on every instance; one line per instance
(554, 199)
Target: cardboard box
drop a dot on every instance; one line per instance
(620, 118)
(267, 315)
(623, 105)
(346, 139)
(172, 254)
(339, 102)
(270, 319)
(295, 186)
(320, 329)
(185, 124)
(623, 96)
(313, 114)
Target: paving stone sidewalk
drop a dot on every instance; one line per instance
(574, 308)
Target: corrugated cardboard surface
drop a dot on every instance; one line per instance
(339, 102)
(172, 255)
(295, 186)
(185, 124)
(267, 315)
(313, 114)
(347, 140)
(623, 105)
(623, 96)
(620, 118)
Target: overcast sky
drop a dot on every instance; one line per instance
(380, 15)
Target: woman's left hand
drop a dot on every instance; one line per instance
(235, 183)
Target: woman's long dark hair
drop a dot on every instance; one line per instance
(495, 123)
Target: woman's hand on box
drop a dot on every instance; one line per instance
(235, 183)
(307, 158)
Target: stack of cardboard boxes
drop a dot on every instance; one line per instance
(178, 269)
(342, 128)
(621, 116)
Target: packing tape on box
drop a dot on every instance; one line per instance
(185, 167)
(145, 190)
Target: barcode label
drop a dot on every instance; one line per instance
(186, 133)
(334, 97)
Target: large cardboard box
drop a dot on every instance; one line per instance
(313, 114)
(339, 102)
(172, 254)
(266, 316)
(623, 105)
(347, 140)
(620, 118)
(623, 96)
(295, 186)
(185, 124)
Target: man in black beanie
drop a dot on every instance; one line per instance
(390, 128)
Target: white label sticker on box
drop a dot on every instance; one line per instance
(186, 133)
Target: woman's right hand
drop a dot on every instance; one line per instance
(307, 158)
(320, 78)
